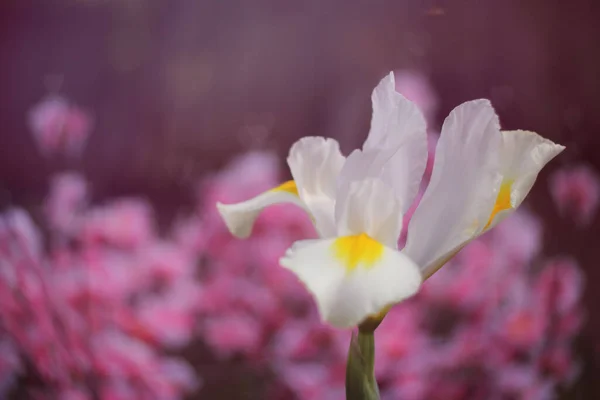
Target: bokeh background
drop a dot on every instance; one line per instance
(168, 95)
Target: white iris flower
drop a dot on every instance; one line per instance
(355, 270)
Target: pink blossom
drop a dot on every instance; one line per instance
(561, 282)
(519, 237)
(10, 364)
(233, 334)
(410, 386)
(190, 235)
(74, 393)
(576, 192)
(65, 202)
(486, 326)
(165, 321)
(126, 223)
(17, 226)
(67, 319)
(398, 339)
(59, 127)
(306, 380)
(523, 321)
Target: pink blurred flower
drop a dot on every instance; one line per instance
(124, 223)
(518, 238)
(59, 127)
(524, 383)
(561, 283)
(123, 293)
(524, 328)
(306, 380)
(168, 322)
(17, 226)
(10, 364)
(91, 312)
(576, 192)
(398, 340)
(409, 386)
(233, 334)
(190, 234)
(524, 320)
(65, 202)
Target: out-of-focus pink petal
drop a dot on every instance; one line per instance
(231, 334)
(519, 237)
(126, 223)
(561, 284)
(576, 192)
(65, 202)
(59, 127)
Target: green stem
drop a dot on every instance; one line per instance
(360, 376)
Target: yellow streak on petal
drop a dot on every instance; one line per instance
(502, 201)
(289, 186)
(357, 250)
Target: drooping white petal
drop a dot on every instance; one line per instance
(240, 217)
(523, 157)
(370, 207)
(352, 277)
(464, 185)
(399, 138)
(315, 163)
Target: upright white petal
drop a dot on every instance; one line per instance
(315, 163)
(240, 217)
(352, 278)
(398, 135)
(370, 164)
(463, 188)
(369, 207)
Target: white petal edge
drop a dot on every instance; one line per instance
(524, 154)
(399, 132)
(240, 217)
(315, 163)
(346, 298)
(463, 188)
(371, 207)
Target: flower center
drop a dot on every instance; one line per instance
(289, 186)
(357, 250)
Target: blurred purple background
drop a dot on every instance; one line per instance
(177, 88)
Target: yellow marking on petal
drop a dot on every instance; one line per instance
(357, 250)
(289, 186)
(502, 201)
